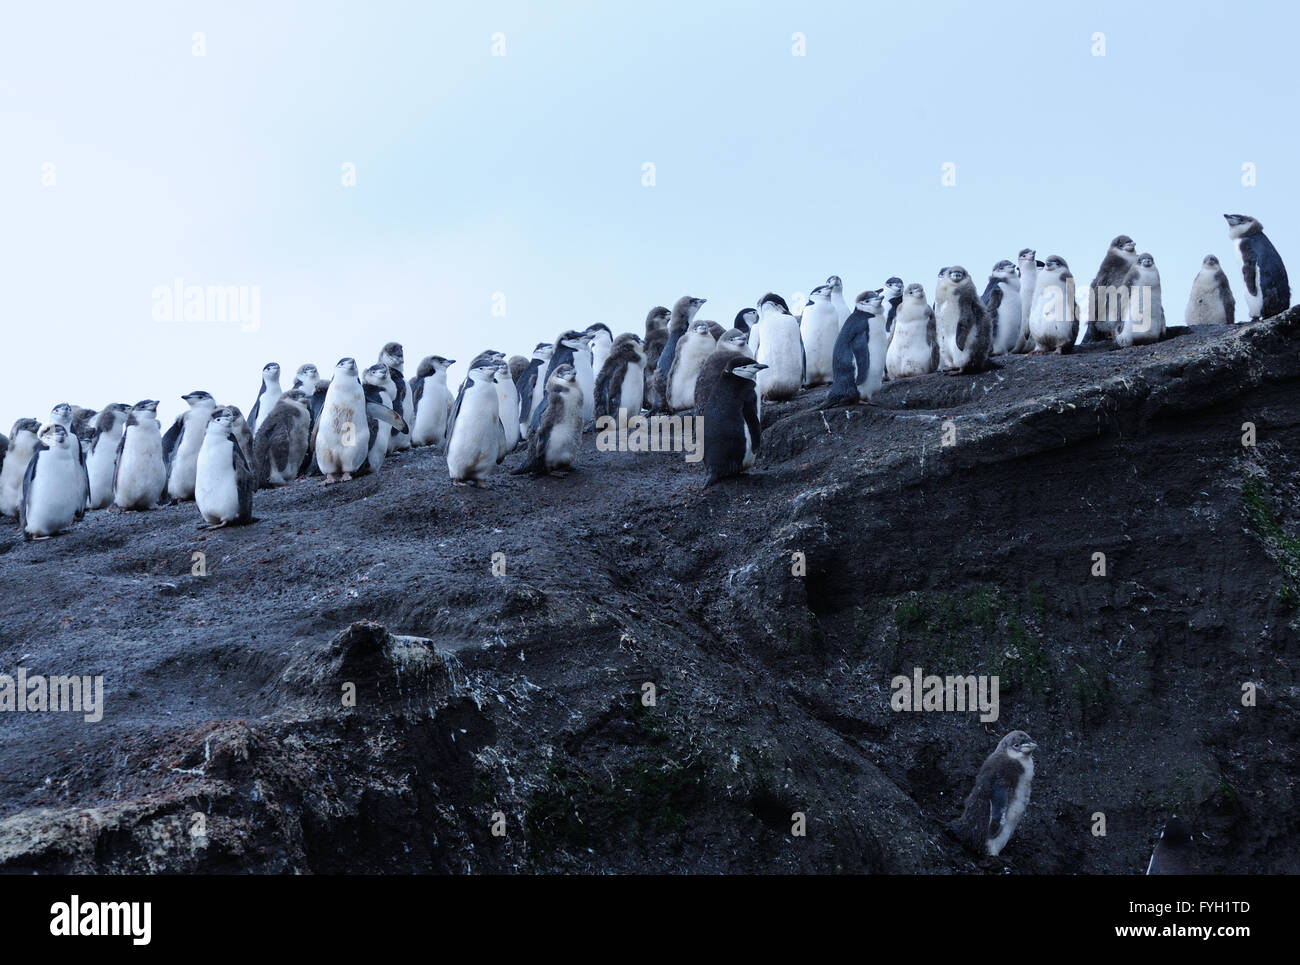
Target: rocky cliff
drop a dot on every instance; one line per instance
(952, 527)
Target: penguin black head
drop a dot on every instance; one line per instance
(346, 366)
(598, 327)
(224, 416)
(701, 327)
(24, 425)
(272, 369)
(821, 293)
(573, 339)
(1027, 254)
(1241, 225)
(147, 405)
(1004, 269)
(1055, 263)
(869, 301)
(1018, 744)
(772, 298)
(744, 367)
(1124, 243)
(834, 283)
(657, 317)
(746, 319)
(688, 305)
(380, 376)
(736, 338)
(198, 397)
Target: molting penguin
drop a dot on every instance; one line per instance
(54, 486)
(183, 441)
(379, 389)
(602, 341)
(141, 474)
(819, 328)
(101, 459)
(620, 385)
(508, 398)
(394, 357)
(1027, 264)
(517, 365)
(342, 437)
(1002, 300)
(268, 394)
(859, 361)
(964, 327)
(1104, 298)
(731, 427)
(1211, 301)
(1144, 320)
(68, 417)
(692, 351)
(24, 439)
(1054, 316)
(775, 342)
(553, 446)
(1268, 292)
(568, 350)
(224, 484)
(476, 434)
(684, 311)
(283, 440)
(656, 336)
(432, 400)
(835, 289)
(307, 379)
(996, 804)
(734, 342)
(914, 342)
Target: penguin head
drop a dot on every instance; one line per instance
(564, 376)
(915, 292)
(1241, 225)
(1146, 261)
(54, 436)
(957, 274)
(380, 376)
(1018, 744)
(834, 283)
(736, 338)
(24, 425)
(657, 317)
(271, 370)
(346, 367)
(702, 328)
(574, 340)
(199, 399)
(747, 316)
(147, 405)
(870, 301)
(744, 367)
(894, 286)
(822, 293)
(544, 352)
(775, 301)
(61, 414)
(1004, 270)
(1209, 261)
(483, 371)
(223, 418)
(392, 354)
(306, 372)
(597, 329)
(297, 397)
(1124, 243)
(1055, 263)
(688, 305)
(1027, 258)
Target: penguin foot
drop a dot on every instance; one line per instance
(37, 539)
(330, 479)
(347, 477)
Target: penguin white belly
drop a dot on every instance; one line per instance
(431, 416)
(819, 331)
(1255, 303)
(180, 483)
(681, 390)
(1028, 285)
(11, 481)
(586, 379)
(1015, 810)
(877, 340)
(99, 467)
(633, 393)
(562, 446)
(946, 317)
(780, 347)
(216, 490)
(343, 439)
(475, 442)
(1049, 323)
(508, 405)
(55, 495)
(269, 398)
(1008, 322)
(750, 455)
(1205, 307)
(909, 352)
(381, 444)
(142, 474)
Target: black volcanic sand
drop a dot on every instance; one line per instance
(226, 744)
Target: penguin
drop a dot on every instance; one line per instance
(24, 438)
(283, 440)
(859, 362)
(531, 384)
(602, 341)
(964, 327)
(819, 327)
(1268, 292)
(656, 335)
(342, 437)
(552, 448)
(746, 319)
(893, 298)
(268, 394)
(517, 364)
(1175, 852)
(620, 385)
(379, 389)
(1002, 300)
(567, 350)
(835, 288)
(1144, 320)
(140, 480)
(1054, 316)
(394, 357)
(586, 375)
(183, 441)
(101, 459)
(68, 416)
(914, 342)
(307, 379)
(1027, 264)
(692, 351)
(508, 397)
(996, 804)
(243, 434)
(684, 312)
(734, 342)
(476, 436)
(83, 423)
(1104, 300)
(731, 430)
(775, 342)
(54, 493)
(223, 483)
(432, 401)
(1211, 301)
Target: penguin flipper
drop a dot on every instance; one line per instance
(381, 412)
(171, 440)
(1249, 269)
(417, 392)
(28, 476)
(455, 411)
(245, 482)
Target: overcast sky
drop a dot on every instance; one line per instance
(128, 162)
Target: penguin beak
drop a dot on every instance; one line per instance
(1029, 748)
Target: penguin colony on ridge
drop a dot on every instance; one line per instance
(51, 474)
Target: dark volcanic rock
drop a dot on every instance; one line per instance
(353, 687)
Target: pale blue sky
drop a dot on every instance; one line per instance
(522, 174)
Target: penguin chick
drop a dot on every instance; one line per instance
(692, 351)
(341, 439)
(996, 804)
(476, 433)
(1268, 292)
(1054, 317)
(731, 428)
(745, 319)
(1211, 301)
(553, 446)
(140, 478)
(858, 365)
(964, 328)
(1027, 265)
(432, 401)
(914, 342)
(224, 483)
(54, 485)
(282, 440)
(776, 343)
(1104, 297)
(620, 385)
(684, 312)
(734, 342)
(1001, 299)
(1144, 320)
(24, 440)
(183, 441)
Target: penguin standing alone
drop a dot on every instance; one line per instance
(998, 800)
(1268, 292)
